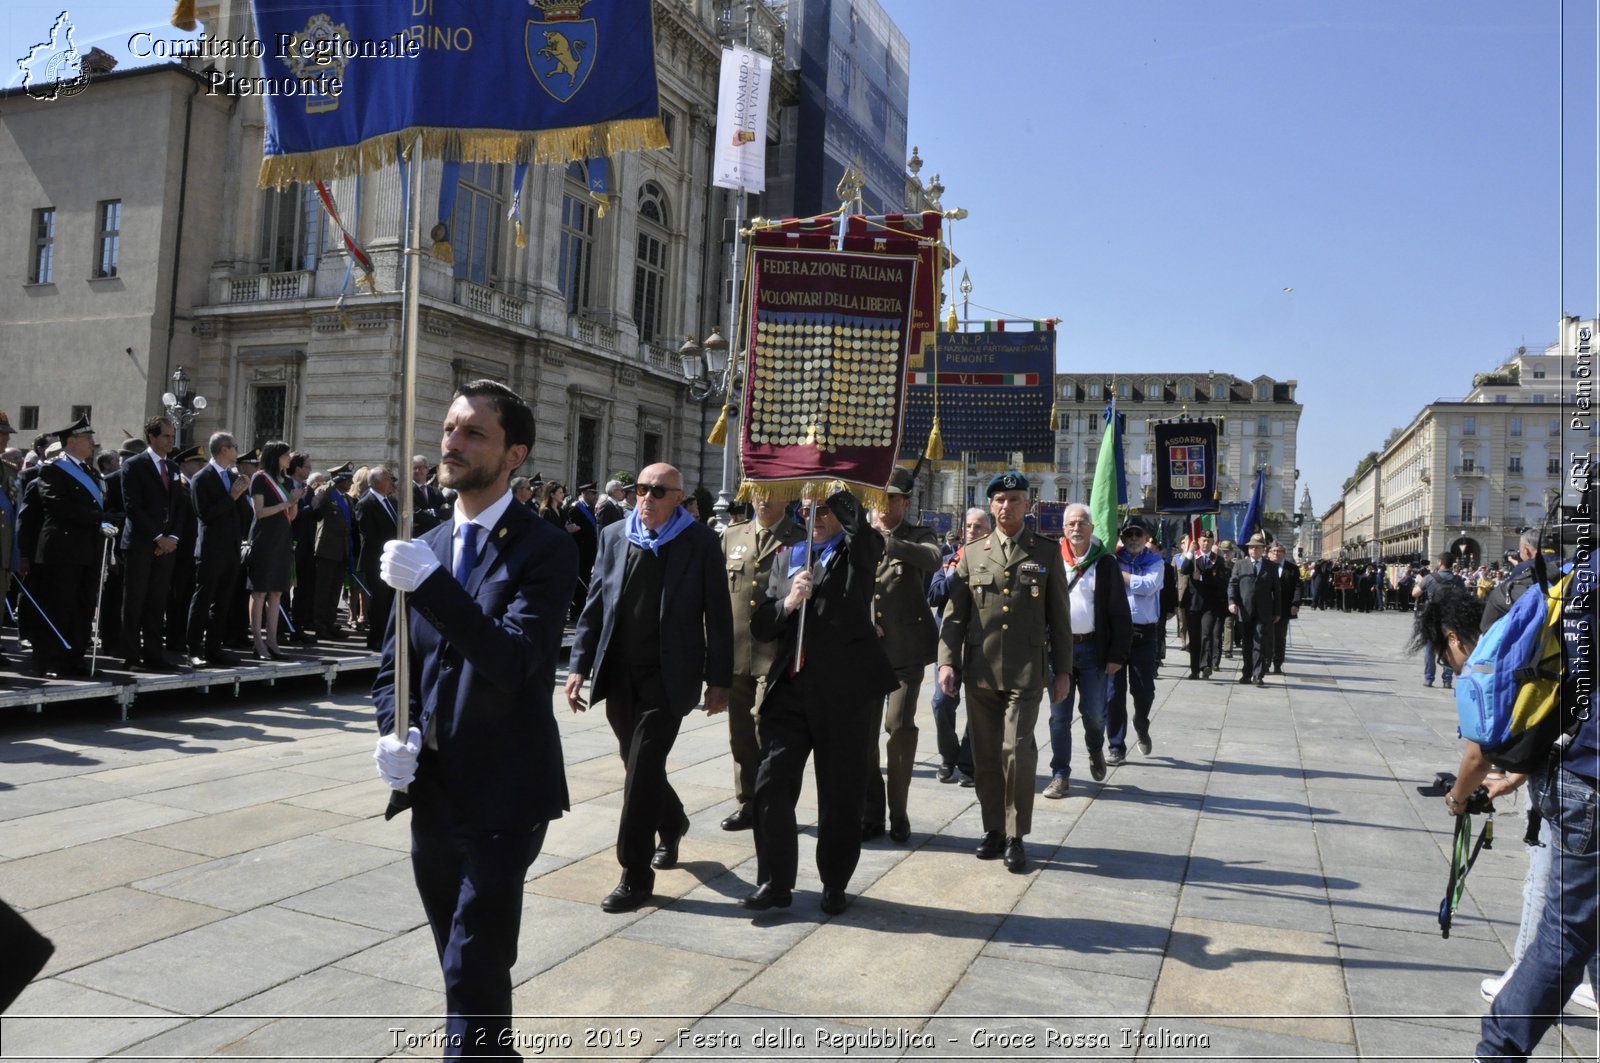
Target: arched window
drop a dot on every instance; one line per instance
(577, 238)
(650, 263)
(291, 229)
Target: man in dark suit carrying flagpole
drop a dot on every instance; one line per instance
(487, 593)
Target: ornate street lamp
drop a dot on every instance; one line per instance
(182, 406)
(713, 377)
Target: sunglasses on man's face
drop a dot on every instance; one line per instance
(654, 490)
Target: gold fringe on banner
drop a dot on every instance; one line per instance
(1054, 420)
(466, 145)
(719, 431)
(367, 282)
(794, 490)
(183, 16)
(522, 235)
(443, 252)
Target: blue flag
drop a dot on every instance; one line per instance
(549, 81)
(1121, 422)
(1252, 514)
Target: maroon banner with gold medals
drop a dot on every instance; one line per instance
(826, 369)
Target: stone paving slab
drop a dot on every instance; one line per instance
(54, 1019)
(240, 829)
(61, 874)
(271, 873)
(45, 831)
(113, 921)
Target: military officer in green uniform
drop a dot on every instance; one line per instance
(1007, 630)
(910, 641)
(749, 547)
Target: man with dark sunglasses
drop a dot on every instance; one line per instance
(823, 699)
(657, 623)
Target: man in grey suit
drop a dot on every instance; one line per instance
(657, 623)
(1253, 600)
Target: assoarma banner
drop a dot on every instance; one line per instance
(1186, 466)
(345, 82)
(740, 160)
(828, 338)
(994, 397)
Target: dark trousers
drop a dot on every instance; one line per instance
(214, 578)
(378, 609)
(146, 582)
(68, 595)
(953, 748)
(470, 882)
(1255, 636)
(802, 716)
(1280, 636)
(331, 574)
(180, 592)
(303, 610)
(1204, 639)
(1139, 674)
(742, 740)
(646, 729)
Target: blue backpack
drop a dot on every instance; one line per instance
(1508, 699)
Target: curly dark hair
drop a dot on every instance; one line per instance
(1446, 608)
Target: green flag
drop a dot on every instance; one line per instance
(1103, 496)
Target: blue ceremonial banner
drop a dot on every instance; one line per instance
(1186, 466)
(994, 395)
(346, 82)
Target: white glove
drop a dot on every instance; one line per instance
(108, 530)
(405, 565)
(397, 760)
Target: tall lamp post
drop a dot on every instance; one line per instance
(181, 405)
(713, 376)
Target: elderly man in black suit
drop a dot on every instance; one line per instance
(823, 701)
(1287, 574)
(1253, 601)
(657, 624)
(217, 489)
(487, 594)
(1204, 601)
(151, 488)
(379, 521)
(73, 538)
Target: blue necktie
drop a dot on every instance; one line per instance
(467, 554)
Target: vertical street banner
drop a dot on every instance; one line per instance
(740, 159)
(829, 332)
(346, 82)
(1185, 466)
(994, 394)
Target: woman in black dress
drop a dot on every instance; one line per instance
(553, 504)
(274, 499)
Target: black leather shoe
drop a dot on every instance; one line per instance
(666, 855)
(1261, 682)
(740, 820)
(871, 832)
(946, 773)
(767, 896)
(834, 901)
(993, 844)
(625, 898)
(1016, 859)
(900, 828)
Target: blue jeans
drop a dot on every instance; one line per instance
(1095, 686)
(1141, 674)
(1428, 666)
(1567, 937)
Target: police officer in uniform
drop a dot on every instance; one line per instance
(748, 547)
(73, 539)
(1007, 628)
(910, 640)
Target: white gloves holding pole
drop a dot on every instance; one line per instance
(397, 760)
(406, 564)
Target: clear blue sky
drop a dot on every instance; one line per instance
(1156, 172)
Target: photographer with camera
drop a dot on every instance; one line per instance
(1564, 905)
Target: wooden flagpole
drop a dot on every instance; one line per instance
(410, 316)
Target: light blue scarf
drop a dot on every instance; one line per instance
(638, 536)
(820, 552)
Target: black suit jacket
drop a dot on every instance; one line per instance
(1207, 590)
(218, 513)
(377, 527)
(428, 508)
(839, 631)
(69, 533)
(1256, 596)
(1288, 587)
(483, 668)
(151, 508)
(696, 616)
